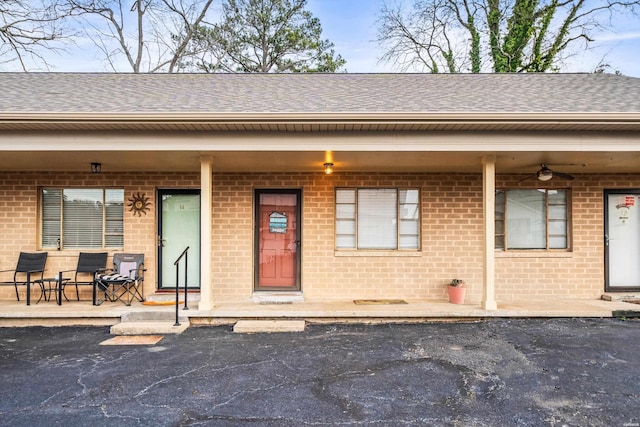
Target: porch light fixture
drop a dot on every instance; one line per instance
(96, 167)
(328, 168)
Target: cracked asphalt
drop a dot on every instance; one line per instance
(501, 372)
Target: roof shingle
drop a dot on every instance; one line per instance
(317, 93)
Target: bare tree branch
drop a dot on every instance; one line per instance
(143, 34)
(492, 35)
(29, 29)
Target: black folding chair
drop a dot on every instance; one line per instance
(122, 283)
(89, 263)
(30, 270)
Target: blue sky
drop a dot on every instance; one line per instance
(351, 26)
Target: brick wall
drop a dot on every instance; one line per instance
(451, 235)
(19, 217)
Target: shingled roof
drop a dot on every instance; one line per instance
(317, 93)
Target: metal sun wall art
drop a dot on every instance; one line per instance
(139, 204)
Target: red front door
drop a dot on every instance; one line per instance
(277, 240)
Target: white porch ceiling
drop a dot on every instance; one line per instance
(516, 152)
(311, 161)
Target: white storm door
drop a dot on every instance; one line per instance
(622, 240)
(179, 228)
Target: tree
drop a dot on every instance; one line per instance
(30, 28)
(497, 35)
(141, 34)
(263, 36)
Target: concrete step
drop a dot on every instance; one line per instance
(620, 296)
(150, 323)
(159, 315)
(148, 328)
(171, 297)
(262, 326)
(266, 297)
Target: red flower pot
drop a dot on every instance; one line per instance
(456, 294)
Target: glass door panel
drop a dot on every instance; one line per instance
(179, 225)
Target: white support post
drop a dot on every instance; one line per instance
(488, 209)
(206, 194)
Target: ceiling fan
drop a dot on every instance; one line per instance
(545, 174)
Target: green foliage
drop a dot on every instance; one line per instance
(474, 52)
(457, 283)
(261, 36)
(492, 35)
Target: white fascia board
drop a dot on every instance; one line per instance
(358, 142)
(325, 118)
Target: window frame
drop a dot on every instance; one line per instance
(398, 220)
(104, 233)
(504, 235)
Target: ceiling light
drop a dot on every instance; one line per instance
(544, 174)
(96, 167)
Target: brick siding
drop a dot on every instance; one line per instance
(451, 235)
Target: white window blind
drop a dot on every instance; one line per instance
(114, 219)
(377, 219)
(346, 219)
(409, 211)
(385, 218)
(557, 219)
(51, 217)
(82, 218)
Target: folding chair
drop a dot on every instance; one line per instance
(89, 263)
(30, 270)
(122, 283)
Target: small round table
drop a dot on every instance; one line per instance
(50, 285)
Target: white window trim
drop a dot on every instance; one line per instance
(539, 252)
(355, 251)
(60, 244)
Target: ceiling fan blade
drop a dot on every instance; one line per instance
(563, 175)
(526, 178)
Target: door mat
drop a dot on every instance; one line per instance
(275, 302)
(133, 340)
(627, 314)
(161, 302)
(378, 301)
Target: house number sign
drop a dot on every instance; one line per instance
(625, 208)
(277, 223)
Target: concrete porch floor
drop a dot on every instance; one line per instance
(48, 313)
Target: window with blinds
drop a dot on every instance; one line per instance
(75, 218)
(379, 218)
(532, 219)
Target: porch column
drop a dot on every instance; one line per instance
(206, 191)
(488, 209)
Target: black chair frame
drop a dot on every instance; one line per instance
(89, 263)
(28, 271)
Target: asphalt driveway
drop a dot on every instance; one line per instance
(558, 372)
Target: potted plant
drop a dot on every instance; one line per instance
(456, 291)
